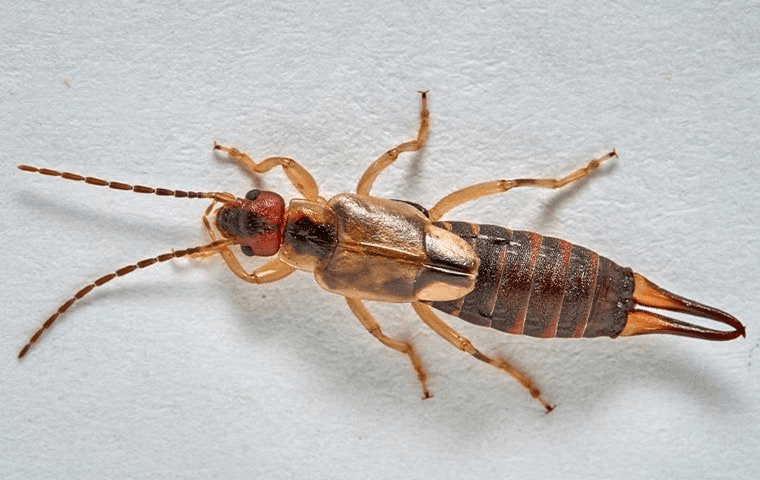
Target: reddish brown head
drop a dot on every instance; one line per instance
(255, 222)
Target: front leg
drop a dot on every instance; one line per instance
(271, 271)
(298, 176)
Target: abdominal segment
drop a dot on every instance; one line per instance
(529, 284)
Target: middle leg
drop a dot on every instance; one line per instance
(386, 159)
(366, 319)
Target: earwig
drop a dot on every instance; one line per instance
(369, 248)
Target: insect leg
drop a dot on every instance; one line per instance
(271, 271)
(207, 223)
(455, 338)
(386, 159)
(479, 190)
(298, 176)
(210, 231)
(366, 319)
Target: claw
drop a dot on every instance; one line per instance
(647, 294)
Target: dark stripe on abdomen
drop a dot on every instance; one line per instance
(540, 286)
(579, 288)
(548, 288)
(514, 286)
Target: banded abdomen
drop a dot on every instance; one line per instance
(541, 286)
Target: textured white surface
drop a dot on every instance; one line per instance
(182, 371)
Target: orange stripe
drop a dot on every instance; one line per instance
(581, 328)
(535, 247)
(551, 329)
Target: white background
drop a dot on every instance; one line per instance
(183, 371)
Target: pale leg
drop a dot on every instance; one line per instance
(366, 319)
(298, 176)
(386, 159)
(475, 192)
(458, 340)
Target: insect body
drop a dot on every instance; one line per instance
(368, 248)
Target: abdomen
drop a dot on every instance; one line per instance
(529, 284)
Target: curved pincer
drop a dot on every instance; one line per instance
(648, 294)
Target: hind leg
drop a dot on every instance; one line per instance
(458, 340)
(475, 192)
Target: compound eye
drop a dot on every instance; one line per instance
(252, 195)
(247, 250)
